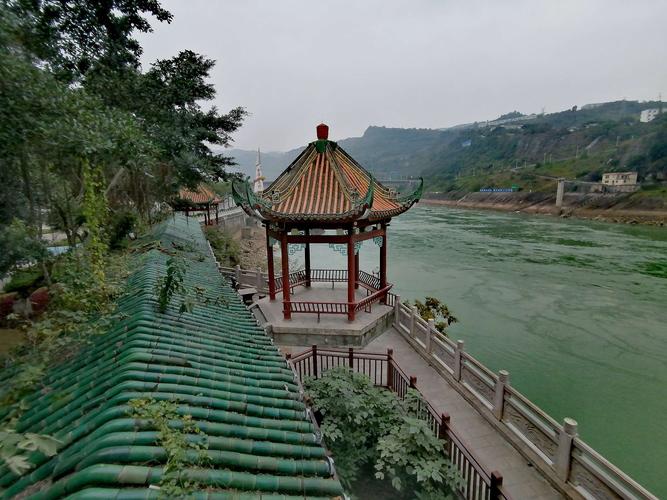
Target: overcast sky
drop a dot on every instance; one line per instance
(413, 63)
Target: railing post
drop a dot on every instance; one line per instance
(413, 382)
(350, 358)
(496, 484)
(429, 332)
(260, 281)
(238, 274)
(457, 360)
(444, 425)
(390, 369)
(499, 394)
(397, 312)
(413, 320)
(314, 360)
(564, 452)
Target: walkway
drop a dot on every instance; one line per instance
(494, 452)
(520, 479)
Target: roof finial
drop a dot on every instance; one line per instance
(322, 132)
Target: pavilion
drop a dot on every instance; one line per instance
(325, 196)
(199, 200)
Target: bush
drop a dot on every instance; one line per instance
(364, 425)
(225, 248)
(120, 226)
(19, 245)
(25, 281)
(438, 311)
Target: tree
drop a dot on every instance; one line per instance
(72, 96)
(77, 36)
(433, 309)
(19, 245)
(169, 98)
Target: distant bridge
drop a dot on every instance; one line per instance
(396, 182)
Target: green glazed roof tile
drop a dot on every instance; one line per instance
(215, 363)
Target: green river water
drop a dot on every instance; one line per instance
(575, 310)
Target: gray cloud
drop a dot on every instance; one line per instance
(414, 63)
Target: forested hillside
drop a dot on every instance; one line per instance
(513, 149)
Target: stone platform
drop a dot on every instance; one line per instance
(333, 330)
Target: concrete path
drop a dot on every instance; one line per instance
(521, 480)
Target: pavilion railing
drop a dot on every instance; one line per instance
(260, 281)
(374, 297)
(477, 483)
(369, 280)
(316, 307)
(554, 448)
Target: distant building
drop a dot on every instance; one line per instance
(258, 183)
(512, 189)
(620, 181)
(467, 143)
(648, 115)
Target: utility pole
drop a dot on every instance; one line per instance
(560, 189)
(660, 102)
(545, 158)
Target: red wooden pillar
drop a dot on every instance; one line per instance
(383, 262)
(351, 273)
(284, 260)
(307, 257)
(356, 270)
(208, 214)
(269, 259)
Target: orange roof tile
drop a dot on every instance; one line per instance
(202, 195)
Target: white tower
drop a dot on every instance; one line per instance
(258, 183)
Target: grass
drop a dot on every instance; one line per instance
(651, 191)
(10, 338)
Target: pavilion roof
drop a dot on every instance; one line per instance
(202, 195)
(324, 184)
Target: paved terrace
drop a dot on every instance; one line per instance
(331, 330)
(520, 478)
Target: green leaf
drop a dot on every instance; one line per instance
(46, 444)
(18, 464)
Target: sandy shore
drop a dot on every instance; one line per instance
(657, 217)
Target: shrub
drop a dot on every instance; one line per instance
(436, 310)
(25, 280)
(366, 425)
(120, 226)
(225, 248)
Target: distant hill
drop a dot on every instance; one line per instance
(512, 149)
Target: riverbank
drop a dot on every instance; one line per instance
(625, 208)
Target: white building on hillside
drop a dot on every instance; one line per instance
(620, 179)
(649, 115)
